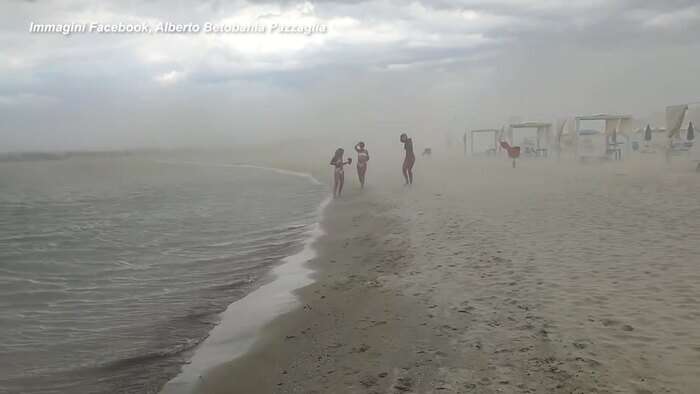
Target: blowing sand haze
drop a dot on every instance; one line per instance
(551, 279)
(188, 203)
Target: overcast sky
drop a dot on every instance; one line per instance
(424, 66)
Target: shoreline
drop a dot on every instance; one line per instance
(231, 337)
(306, 349)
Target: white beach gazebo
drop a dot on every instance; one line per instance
(485, 131)
(602, 144)
(543, 135)
(675, 120)
(678, 141)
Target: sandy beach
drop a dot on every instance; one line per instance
(553, 277)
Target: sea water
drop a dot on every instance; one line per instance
(113, 269)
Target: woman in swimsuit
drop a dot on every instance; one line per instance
(338, 173)
(362, 159)
(409, 160)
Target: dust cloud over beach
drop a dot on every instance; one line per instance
(555, 276)
(425, 65)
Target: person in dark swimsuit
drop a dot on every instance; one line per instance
(338, 174)
(409, 160)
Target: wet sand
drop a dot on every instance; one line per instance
(553, 277)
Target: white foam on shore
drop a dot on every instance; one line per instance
(283, 171)
(242, 321)
(224, 165)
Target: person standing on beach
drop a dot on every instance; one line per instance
(338, 173)
(409, 160)
(362, 159)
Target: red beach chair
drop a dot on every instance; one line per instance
(513, 151)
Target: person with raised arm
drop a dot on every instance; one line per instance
(362, 159)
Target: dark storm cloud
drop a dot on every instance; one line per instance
(477, 61)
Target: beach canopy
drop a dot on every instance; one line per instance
(543, 129)
(674, 119)
(613, 123)
(495, 137)
(603, 117)
(691, 132)
(647, 133)
(534, 125)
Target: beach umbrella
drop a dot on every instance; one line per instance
(647, 133)
(691, 132)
